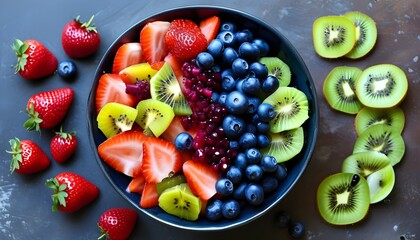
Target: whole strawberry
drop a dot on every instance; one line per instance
(63, 145)
(34, 60)
(47, 109)
(27, 157)
(71, 192)
(80, 40)
(117, 223)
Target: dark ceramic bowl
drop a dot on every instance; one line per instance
(301, 79)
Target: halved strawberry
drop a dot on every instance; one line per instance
(149, 196)
(210, 27)
(124, 152)
(177, 69)
(112, 89)
(160, 159)
(152, 41)
(127, 54)
(137, 184)
(176, 128)
(201, 178)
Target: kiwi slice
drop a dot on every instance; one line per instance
(276, 67)
(285, 145)
(137, 72)
(381, 183)
(291, 107)
(181, 202)
(343, 198)
(339, 89)
(367, 117)
(114, 118)
(366, 34)
(164, 87)
(384, 139)
(169, 182)
(333, 36)
(365, 163)
(381, 86)
(154, 116)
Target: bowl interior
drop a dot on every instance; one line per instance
(279, 46)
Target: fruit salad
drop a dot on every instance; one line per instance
(201, 117)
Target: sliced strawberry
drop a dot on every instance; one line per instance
(185, 44)
(176, 128)
(160, 159)
(124, 152)
(152, 41)
(112, 89)
(149, 196)
(201, 178)
(177, 68)
(128, 54)
(210, 27)
(137, 184)
(158, 65)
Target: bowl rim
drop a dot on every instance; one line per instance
(297, 56)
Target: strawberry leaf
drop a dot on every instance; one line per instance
(59, 196)
(16, 154)
(33, 122)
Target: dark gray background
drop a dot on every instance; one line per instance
(25, 202)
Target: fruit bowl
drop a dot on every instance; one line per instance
(301, 79)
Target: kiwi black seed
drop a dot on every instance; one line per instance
(365, 163)
(114, 118)
(367, 117)
(285, 145)
(343, 198)
(154, 116)
(366, 34)
(339, 89)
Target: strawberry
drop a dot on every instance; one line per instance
(71, 192)
(27, 157)
(112, 89)
(63, 145)
(80, 40)
(117, 223)
(152, 41)
(136, 184)
(34, 60)
(210, 27)
(201, 178)
(149, 196)
(176, 128)
(128, 54)
(160, 159)
(47, 109)
(185, 24)
(177, 68)
(124, 152)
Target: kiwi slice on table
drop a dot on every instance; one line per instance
(381, 183)
(181, 202)
(367, 117)
(164, 87)
(114, 118)
(366, 34)
(285, 145)
(291, 107)
(339, 89)
(333, 36)
(154, 116)
(276, 67)
(381, 86)
(383, 139)
(365, 163)
(169, 182)
(343, 198)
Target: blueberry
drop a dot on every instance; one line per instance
(233, 144)
(215, 96)
(233, 126)
(215, 48)
(282, 219)
(230, 209)
(243, 36)
(254, 194)
(247, 140)
(222, 98)
(253, 172)
(255, 119)
(236, 102)
(258, 70)
(227, 37)
(228, 72)
(228, 26)
(254, 102)
(228, 83)
(251, 86)
(262, 45)
(234, 174)
(269, 184)
(253, 156)
(240, 67)
(263, 127)
(296, 229)
(262, 141)
(251, 128)
(224, 187)
(240, 161)
(184, 141)
(268, 163)
(204, 60)
(239, 191)
(266, 112)
(239, 83)
(228, 56)
(281, 172)
(270, 84)
(249, 51)
(214, 210)
(67, 70)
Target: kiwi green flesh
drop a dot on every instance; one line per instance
(276, 67)
(365, 163)
(114, 118)
(367, 117)
(343, 198)
(381, 86)
(366, 34)
(339, 89)
(164, 87)
(170, 182)
(285, 145)
(333, 36)
(154, 116)
(383, 139)
(381, 184)
(291, 107)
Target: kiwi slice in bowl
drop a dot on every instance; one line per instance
(333, 36)
(367, 117)
(285, 145)
(276, 67)
(339, 89)
(154, 116)
(343, 198)
(365, 163)
(381, 183)
(381, 86)
(291, 109)
(383, 139)
(366, 34)
(114, 118)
